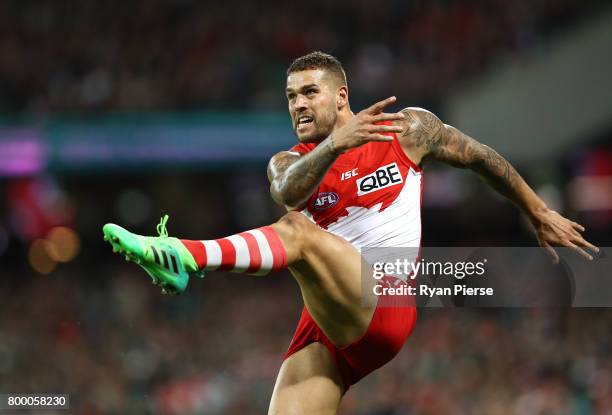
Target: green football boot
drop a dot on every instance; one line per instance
(165, 259)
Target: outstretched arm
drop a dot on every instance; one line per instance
(426, 137)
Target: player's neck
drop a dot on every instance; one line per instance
(343, 117)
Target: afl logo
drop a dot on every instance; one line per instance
(326, 200)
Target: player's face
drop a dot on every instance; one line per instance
(312, 104)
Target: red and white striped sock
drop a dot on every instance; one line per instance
(257, 252)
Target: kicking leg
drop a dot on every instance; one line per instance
(327, 268)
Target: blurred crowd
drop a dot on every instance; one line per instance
(116, 345)
(183, 54)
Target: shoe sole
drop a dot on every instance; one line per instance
(113, 235)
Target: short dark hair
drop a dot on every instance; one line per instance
(319, 60)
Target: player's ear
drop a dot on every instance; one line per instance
(342, 97)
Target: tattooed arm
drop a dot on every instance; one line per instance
(293, 177)
(426, 137)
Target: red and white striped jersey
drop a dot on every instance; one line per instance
(371, 196)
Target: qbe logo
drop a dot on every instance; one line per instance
(326, 200)
(384, 176)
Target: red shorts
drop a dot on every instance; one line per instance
(389, 329)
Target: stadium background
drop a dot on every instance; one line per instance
(121, 111)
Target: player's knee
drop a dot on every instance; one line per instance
(298, 225)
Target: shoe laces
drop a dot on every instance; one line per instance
(161, 227)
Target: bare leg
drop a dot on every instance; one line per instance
(308, 383)
(328, 270)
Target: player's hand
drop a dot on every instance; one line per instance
(363, 127)
(553, 230)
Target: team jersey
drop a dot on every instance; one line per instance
(371, 196)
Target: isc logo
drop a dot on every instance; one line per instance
(326, 200)
(384, 176)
